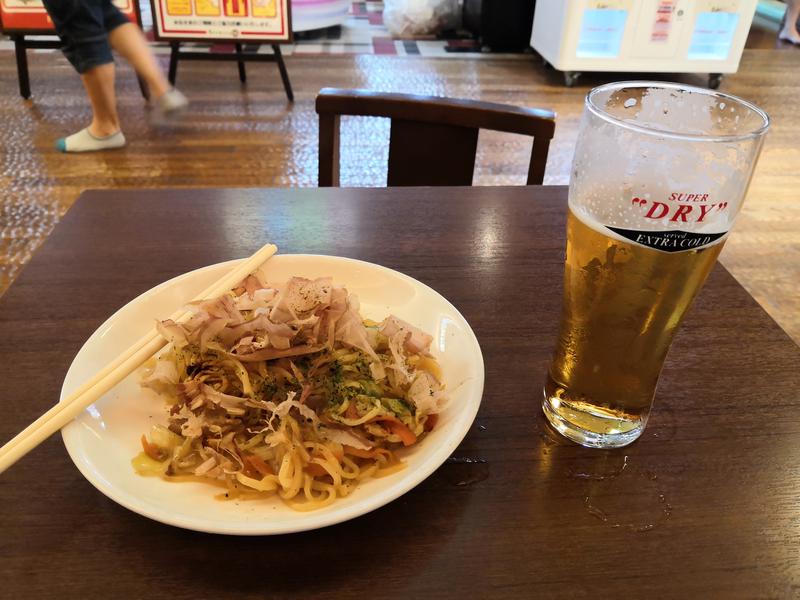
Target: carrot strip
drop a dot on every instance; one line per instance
(431, 422)
(258, 464)
(315, 470)
(151, 450)
(360, 453)
(404, 433)
(398, 428)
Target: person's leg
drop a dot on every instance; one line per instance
(103, 133)
(79, 24)
(99, 84)
(128, 40)
(789, 31)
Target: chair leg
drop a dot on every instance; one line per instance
(328, 150)
(538, 161)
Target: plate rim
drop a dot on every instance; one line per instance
(315, 519)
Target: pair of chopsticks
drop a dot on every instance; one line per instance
(125, 364)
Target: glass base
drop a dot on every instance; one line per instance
(589, 425)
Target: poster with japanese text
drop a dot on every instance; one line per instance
(222, 20)
(29, 16)
(662, 24)
(715, 26)
(602, 28)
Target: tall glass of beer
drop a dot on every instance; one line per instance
(659, 176)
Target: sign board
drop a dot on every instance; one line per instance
(260, 21)
(30, 16)
(602, 28)
(662, 24)
(716, 22)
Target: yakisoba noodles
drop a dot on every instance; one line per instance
(284, 389)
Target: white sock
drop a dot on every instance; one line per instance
(789, 35)
(83, 141)
(168, 105)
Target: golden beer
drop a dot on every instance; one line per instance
(659, 175)
(622, 305)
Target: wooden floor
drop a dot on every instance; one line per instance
(251, 136)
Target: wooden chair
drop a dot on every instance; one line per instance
(432, 140)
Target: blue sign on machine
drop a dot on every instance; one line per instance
(601, 33)
(713, 35)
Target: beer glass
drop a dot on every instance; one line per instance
(659, 176)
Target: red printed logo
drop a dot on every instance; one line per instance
(679, 208)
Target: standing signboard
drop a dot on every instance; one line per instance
(247, 24)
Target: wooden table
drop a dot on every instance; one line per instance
(705, 505)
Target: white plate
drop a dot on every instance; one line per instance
(103, 439)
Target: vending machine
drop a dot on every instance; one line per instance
(674, 36)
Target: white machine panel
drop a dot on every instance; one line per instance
(680, 36)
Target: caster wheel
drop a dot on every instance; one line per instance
(714, 79)
(571, 77)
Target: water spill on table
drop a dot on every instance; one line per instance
(639, 527)
(622, 494)
(463, 471)
(601, 475)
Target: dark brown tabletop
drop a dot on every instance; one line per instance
(705, 505)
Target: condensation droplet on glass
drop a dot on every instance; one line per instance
(629, 102)
(721, 105)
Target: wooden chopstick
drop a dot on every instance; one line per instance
(127, 362)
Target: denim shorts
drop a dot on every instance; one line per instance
(83, 26)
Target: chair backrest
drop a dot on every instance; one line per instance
(432, 140)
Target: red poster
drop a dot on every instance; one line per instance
(222, 20)
(28, 16)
